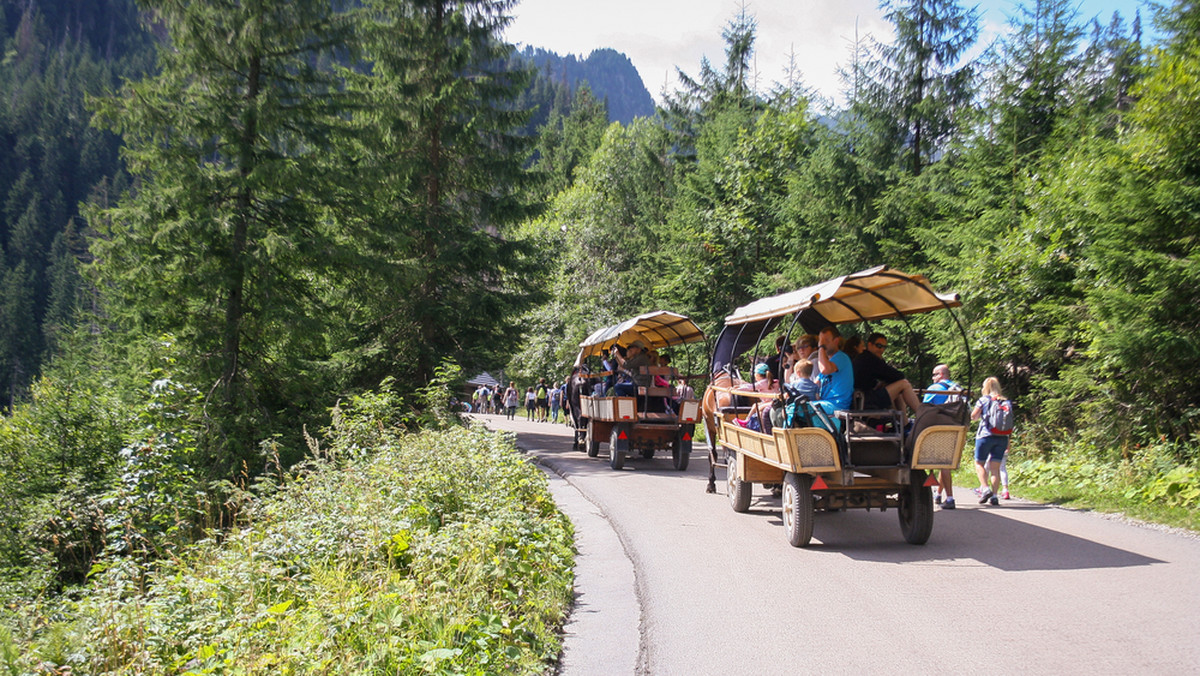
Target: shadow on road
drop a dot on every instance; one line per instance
(967, 536)
(999, 537)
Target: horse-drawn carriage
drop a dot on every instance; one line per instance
(857, 459)
(650, 421)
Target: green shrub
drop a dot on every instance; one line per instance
(392, 552)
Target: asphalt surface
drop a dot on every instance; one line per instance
(669, 580)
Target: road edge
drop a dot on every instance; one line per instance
(602, 633)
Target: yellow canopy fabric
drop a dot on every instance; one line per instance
(875, 293)
(656, 329)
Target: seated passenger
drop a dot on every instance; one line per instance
(836, 380)
(758, 418)
(606, 366)
(802, 383)
(763, 381)
(661, 381)
(882, 385)
(779, 362)
(631, 364)
(853, 347)
(806, 350)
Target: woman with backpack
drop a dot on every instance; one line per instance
(995, 416)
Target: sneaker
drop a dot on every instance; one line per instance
(1005, 495)
(978, 491)
(995, 501)
(938, 499)
(987, 495)
(948, 504)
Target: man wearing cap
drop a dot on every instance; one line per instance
(635, 358)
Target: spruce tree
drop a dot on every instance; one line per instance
(445, 154)
(919, 78)
(225, 241)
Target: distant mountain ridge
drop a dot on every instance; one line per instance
(609, 74)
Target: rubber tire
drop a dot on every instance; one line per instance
(616, 456)
(647, 453)
(681, 453)
(739, 491)
(591, 443)
(798, 508)
(916, 510)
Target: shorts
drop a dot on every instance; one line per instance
(543, 403)
(877, 399)
(992, 447)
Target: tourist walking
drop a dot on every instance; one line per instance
(935, 394)
(512, 399)
(530, 403)
(995, 416)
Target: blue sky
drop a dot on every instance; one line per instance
(658, 35)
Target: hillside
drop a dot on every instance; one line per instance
(609, 73)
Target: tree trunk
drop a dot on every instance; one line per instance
(234, 308)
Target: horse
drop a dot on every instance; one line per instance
(579, 384)
(710, 406)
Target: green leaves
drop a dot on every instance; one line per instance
(334, 573)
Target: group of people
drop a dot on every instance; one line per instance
(543, 402)
(486, 399)
(625, 369)
(828, 371)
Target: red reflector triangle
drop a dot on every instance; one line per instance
(931, 481)
(622, 435)
(687, 437)
(819, 484)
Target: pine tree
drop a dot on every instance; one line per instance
(443, 145)
(225, 240)
(569, 138)
(919, 79)
(716, 92)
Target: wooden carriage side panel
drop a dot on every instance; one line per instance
(612, 409)
(939, 447)
(689, 411)
(810, 449)
(755, 470)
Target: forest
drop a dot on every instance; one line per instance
(219, 220)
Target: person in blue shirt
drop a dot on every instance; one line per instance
(836, 372)
(942, 383)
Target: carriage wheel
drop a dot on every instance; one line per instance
(737, 490)
(591, 442)
(616, 448)
(797, 509)
(916, 510)
(681, 451)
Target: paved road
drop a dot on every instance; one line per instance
(1017, 589)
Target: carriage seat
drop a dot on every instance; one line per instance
(666, 372)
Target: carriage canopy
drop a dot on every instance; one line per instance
(875, 293)
(656, 329)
